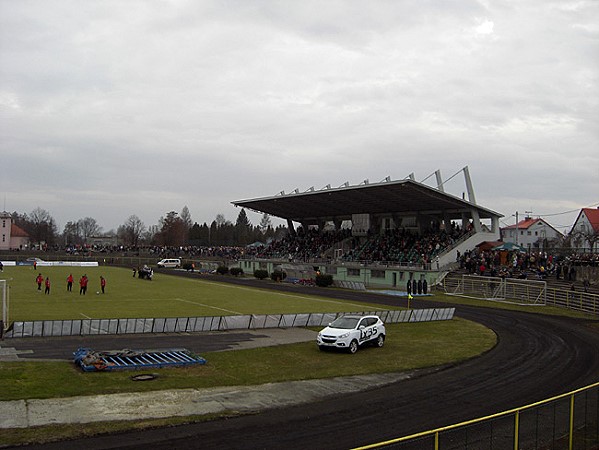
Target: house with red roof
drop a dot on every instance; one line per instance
(532, 234)
(585, 231)
(12, 237)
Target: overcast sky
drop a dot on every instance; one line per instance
(114, 108)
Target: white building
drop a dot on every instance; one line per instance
(12, 237)
(585, 231)
(532, 234)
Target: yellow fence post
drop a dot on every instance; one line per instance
(516, 429)
(435, 433)
(571, 439)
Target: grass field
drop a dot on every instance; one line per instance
(164, 296)
(408, 347)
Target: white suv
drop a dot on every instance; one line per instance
(349, 332)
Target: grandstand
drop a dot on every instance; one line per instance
(380, 234)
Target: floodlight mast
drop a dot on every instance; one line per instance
(469, 187)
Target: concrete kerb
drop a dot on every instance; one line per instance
(183, 402)
(186, 402)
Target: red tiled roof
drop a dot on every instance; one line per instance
(16, 231)
(593, 216)
(523, 224)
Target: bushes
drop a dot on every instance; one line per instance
(278, 275)
(261, 274)
(222, 270)
(324, 280)
(236, 271)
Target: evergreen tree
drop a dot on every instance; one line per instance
(173, 231)
(243, 228)
(186, 217)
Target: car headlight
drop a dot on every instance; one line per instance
(344, 335)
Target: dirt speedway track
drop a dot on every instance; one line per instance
(536, 357)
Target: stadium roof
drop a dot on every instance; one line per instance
(404, 198)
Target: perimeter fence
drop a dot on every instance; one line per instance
(569, 421)
(84, 327)
(530, 292)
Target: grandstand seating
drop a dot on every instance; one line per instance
(398, 246)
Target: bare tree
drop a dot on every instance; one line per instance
(71, 233)
(590, 237)
(220, 220)
(265, 223)
(88, 227)
(132, 230)
(41, 226)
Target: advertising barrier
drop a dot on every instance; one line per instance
(85, 327)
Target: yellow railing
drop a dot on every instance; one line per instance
(437, 433)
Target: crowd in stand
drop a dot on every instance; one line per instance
(395, 246)
(304, 245)
(399, 245)
(531, 265)
(404, 246)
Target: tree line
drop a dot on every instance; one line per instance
(173, 229)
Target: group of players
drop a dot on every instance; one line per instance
(83, 282)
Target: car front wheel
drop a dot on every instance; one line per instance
(353, 346)
(380, 341)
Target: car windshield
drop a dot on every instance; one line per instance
(345, 322)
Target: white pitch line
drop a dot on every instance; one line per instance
(230, 286)
(207, 306)
(87, 317)
(329, 301)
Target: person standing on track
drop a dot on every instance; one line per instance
(47, 284)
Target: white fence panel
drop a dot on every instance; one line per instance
(198, 324)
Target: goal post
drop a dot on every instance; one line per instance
(4, 296)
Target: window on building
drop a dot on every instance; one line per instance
(377, 274)
(353, 272)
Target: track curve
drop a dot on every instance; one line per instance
(536, 357)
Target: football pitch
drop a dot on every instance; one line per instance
(165, 296)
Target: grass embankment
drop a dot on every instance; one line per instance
(408, 347)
